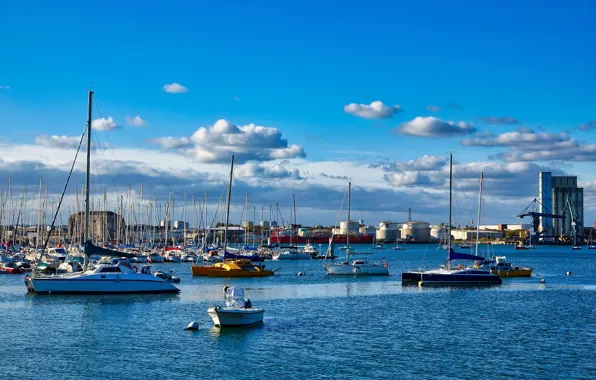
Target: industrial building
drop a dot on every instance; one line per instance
(470, 235)
(554, 191)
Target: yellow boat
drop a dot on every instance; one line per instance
(232, 268)
(502, 268)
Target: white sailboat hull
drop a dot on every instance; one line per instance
(235, 316)
(292, 256)
(99, 283)
(356, 269)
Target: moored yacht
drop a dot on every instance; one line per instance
(358, 267)
(446, 275)
(115, 277)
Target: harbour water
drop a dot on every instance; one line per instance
(318, 326)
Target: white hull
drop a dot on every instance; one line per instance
(99, 283)
(356, 269)
(292, 256)
(235, 316)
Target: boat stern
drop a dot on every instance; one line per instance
(29, 284)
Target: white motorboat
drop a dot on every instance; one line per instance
(59, 253)
(291, 254)
(116, 277)
(237, 311)
(156, 257)
(359, 267)
(310, 250)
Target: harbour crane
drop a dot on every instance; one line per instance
(535, 215)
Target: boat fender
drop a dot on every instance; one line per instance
(386, 264)
(355, 270)
(568, 273)
(136, 268)
(542, 281)
(301, 274)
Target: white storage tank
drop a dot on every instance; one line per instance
(438, 232)
(387, 231)
(354, 227)
(419, 231)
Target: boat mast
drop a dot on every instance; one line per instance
(228, 206)
(479, 208)
(348, 231)
(294, 222)
(450, 191)
(87, 178)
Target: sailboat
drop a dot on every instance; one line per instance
(291, 252)
(358, 267)
(446, 275)
(116, 276)
(397, 247)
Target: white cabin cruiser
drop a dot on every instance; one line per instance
(358, 267)
(237, 310)
(290, 254)
(118, 276)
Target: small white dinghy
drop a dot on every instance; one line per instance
(237, 310)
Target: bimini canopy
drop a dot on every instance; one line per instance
(463, 256)
(93, 250)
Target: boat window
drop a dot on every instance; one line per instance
(109, 270)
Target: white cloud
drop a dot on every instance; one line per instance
(407, 178)
(174, 88)
(218, 142)
(65, 142)
(374, 110)
(172, 142)
(434, 127)
(104, 124)
(256, 170)
(522, 138)
(136, 121)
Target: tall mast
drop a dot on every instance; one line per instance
(450, 191)
(228, 206)
(87, 179)
(348, 231)
(479, 209)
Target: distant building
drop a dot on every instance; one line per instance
(180, 225)
(553, 194)
(470, 235)
(388, 231)
(103, 225)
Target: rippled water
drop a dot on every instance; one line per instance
(318, 326)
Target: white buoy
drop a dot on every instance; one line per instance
(301, 273)
(542, 281)
(192, 326)
(568, 273)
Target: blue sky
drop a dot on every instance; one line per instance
(294, 66)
